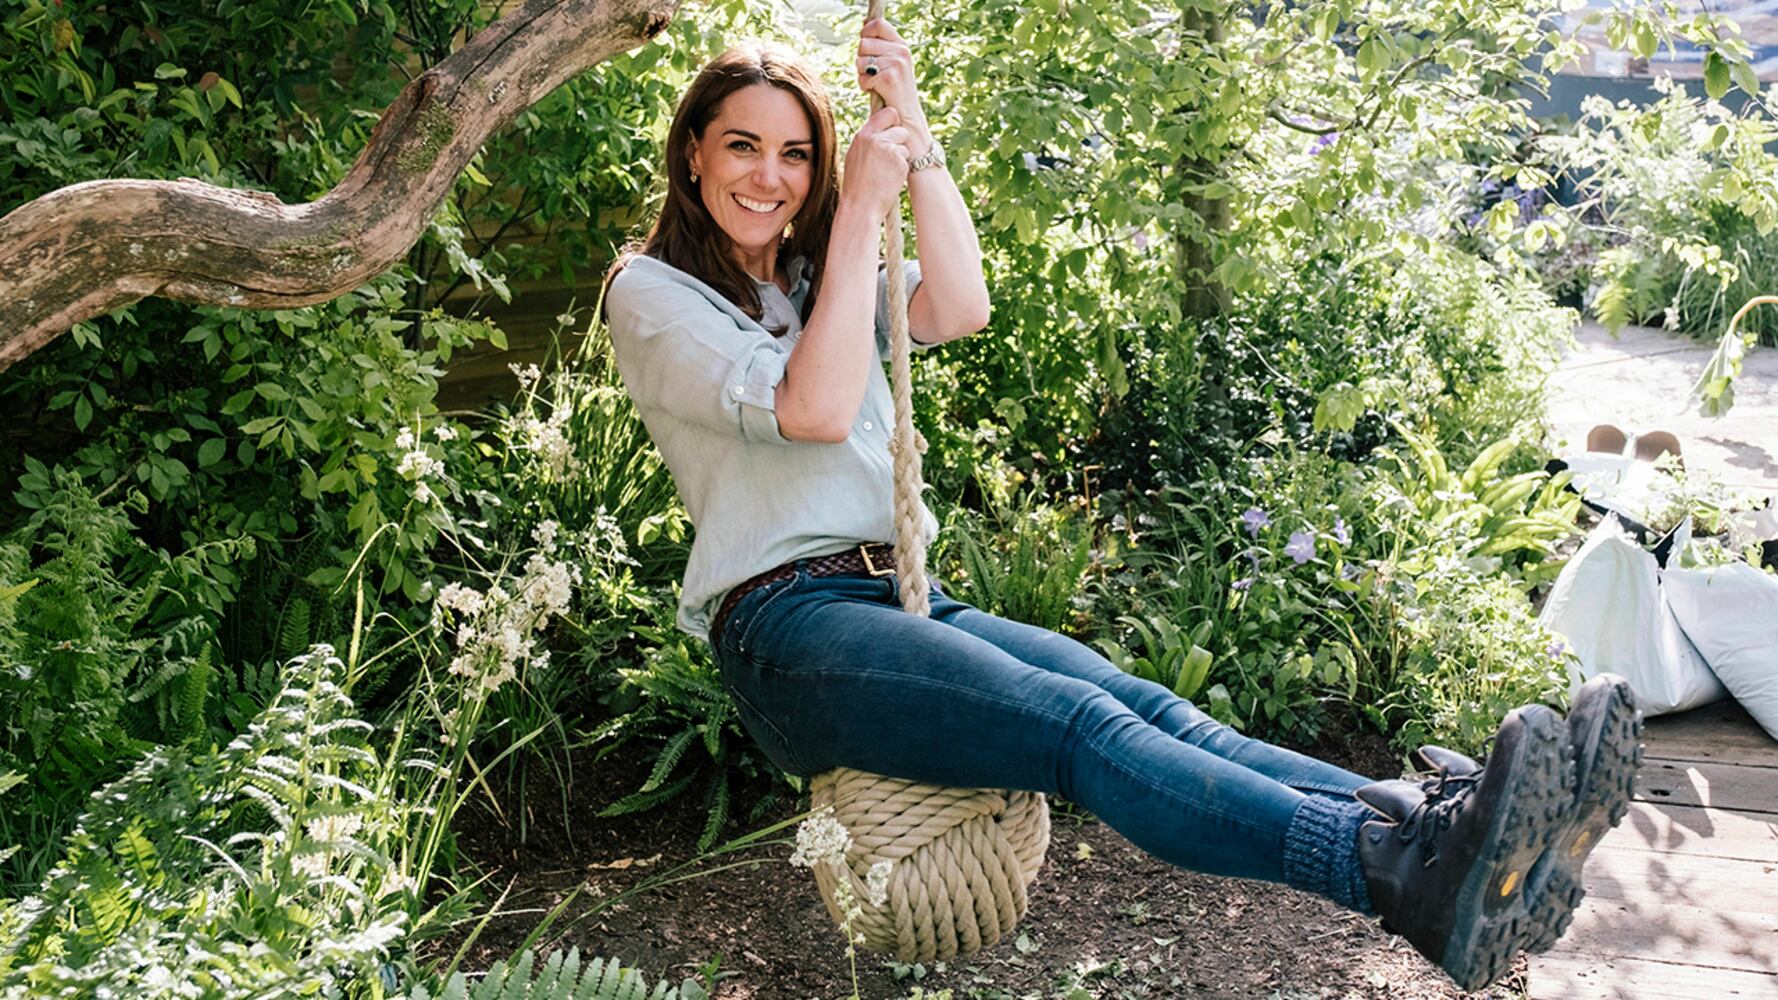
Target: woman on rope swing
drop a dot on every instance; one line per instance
(743, 329)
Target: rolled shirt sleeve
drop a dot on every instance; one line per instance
(910, 268)
(679, 354)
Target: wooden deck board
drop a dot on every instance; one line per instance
(1682, 898)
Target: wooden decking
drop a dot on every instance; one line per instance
(1682, 898)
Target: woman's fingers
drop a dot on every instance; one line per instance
(879, 28)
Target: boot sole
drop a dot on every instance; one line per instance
(1494, 919)
(1604, 787)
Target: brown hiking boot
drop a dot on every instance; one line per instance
(1448, 868)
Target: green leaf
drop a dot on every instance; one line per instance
(83, 412)
(1716, 75)
(210, 452)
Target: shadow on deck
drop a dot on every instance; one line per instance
(1682, 898)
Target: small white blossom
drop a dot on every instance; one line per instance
(444, 432)
(545, 535)
(821, 838)
(405, 439)
(312, 864)
(528, 376)
(423, 493)
(336, 827)
(876, 882)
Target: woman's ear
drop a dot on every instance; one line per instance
(692, 157)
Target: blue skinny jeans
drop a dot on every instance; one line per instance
(829, 671)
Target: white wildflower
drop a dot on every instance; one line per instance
(405, 439)
(399, 883)
(876, 882)
(423, 493)
(445, 432)
(312, 863)
(545, 535)
(528, 376)
(821, 838)
(420, 464)
(547, 440)
(328, 829)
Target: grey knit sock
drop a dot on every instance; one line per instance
(1321, 851)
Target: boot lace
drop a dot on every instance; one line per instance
(1445, 793)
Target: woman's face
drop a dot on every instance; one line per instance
(755, 162)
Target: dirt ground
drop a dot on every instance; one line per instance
(1105, 920)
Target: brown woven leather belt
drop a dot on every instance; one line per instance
(874, 558)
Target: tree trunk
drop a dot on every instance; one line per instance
(1203, 297)
(88, 248)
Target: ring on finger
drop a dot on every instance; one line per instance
(870, 68)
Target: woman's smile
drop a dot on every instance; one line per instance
(758, 207)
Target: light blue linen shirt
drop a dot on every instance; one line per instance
(704, 379)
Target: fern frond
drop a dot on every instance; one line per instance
(669, 758)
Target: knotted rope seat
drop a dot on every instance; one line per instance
(962, 858)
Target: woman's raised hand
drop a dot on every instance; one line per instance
(894, 78)
(877, 164)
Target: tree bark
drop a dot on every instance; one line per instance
(1202, 297)
(88, 248)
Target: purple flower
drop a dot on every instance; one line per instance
(1473, 219)
(1141, 240)
(1352, 571)
(1301, 546)
(1490, 185)
(1254, 519)
(1322, 142)
(1340, 533)
(1555, 649)
(1243, 583)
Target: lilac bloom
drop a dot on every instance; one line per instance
(1243, 583)
(1141, 240)
(1322, 142)
(1254, 519)
(1301, 546)
(1555, 649)
(1340, 533)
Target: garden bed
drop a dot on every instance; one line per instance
(1105, 918)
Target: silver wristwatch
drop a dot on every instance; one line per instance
(935, 157)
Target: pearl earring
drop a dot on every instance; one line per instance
(694, 176)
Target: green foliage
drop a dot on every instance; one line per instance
(1172, 658)
(102, 660)
(1024, 560)
(685, 707)
(560, 978)
(1687, 193)
(252, 868)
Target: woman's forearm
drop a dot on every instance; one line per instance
(954, 291)
(825, 378)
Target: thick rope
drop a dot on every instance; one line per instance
(905, 445)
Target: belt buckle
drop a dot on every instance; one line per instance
(870, 567)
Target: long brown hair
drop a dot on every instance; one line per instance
(686, 236)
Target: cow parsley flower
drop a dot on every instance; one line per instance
(821, 838)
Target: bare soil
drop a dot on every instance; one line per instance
(1105, 921)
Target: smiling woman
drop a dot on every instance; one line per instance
(779, 447)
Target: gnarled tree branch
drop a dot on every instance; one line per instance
(91, 247)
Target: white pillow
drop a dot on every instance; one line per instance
(1731, 614)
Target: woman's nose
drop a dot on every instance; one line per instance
(766, 173)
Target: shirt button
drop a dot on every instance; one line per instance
(867, 425)
(738, 392)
